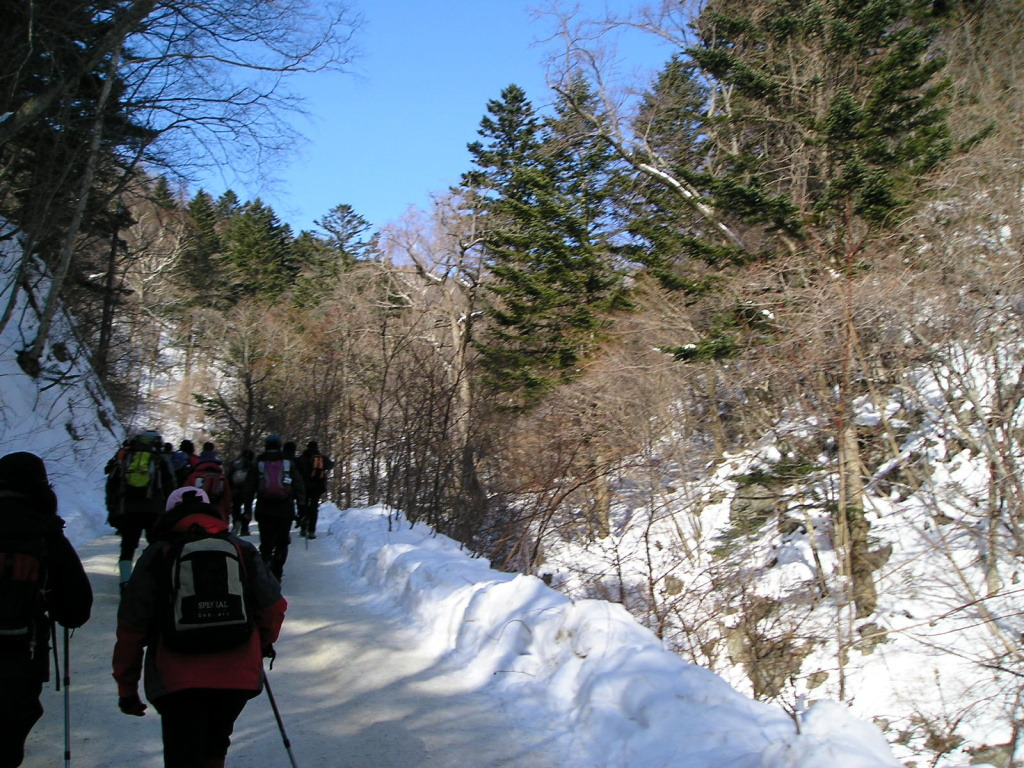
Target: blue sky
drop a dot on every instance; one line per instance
(387, 136)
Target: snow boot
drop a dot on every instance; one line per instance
(213, 762)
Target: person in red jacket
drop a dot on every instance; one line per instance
(198, 695)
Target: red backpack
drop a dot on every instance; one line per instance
(275, 479)
(212, 481)
(22, 579)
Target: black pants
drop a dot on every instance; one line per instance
(19, 711)
(241, 506)
(310, 512)
(197, 724)
(131, 530)
(274, 540)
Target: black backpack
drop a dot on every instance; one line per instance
(22, 585)
(208, 606)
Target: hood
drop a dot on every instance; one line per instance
(207, 522)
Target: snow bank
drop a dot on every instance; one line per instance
(628, 701)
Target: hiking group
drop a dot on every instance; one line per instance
(200, 609)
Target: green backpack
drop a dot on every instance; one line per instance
(140, 468)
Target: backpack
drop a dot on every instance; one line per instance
(213, 483)
(208, 606)
(22, 583)
(275, 479)
(139, 469)
(239, 472)
(317, 470)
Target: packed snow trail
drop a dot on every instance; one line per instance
(354, 689)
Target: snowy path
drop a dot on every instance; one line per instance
(354, 691)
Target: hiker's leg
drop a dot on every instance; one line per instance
(131, 534)
(283, 538)
(184, 716)
(266, 538)
(19, 711)
(314, 515)
(236, 511)
(248, 516)
(225, 708)
(274, 538)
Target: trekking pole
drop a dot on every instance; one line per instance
(67, 697)
(56, 658)
(277, 716)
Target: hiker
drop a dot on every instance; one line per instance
(208, 474)
(242, 479)
(184, 461)
(137, 487)
(198, 676)
(41, 581)
(278, 487)
(313, 466)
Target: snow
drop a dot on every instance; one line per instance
(400, 649)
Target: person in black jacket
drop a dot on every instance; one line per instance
(31, 536)
(278, 488)
(133, 508)
(313, 466)
(242, 479)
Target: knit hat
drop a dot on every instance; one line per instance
(23, 472)
(273, 441)
(182, 495)
(312, 446)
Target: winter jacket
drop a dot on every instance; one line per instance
(68, 598)
(140, 647)
(314, 488)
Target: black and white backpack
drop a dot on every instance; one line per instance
(206, 586)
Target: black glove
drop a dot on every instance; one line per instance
(132, 705)
(269, 653)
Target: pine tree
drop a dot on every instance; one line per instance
(672, 125)
(832, 109)
(347, 233)
(540, 190)
(258, 258)
(197, 267)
